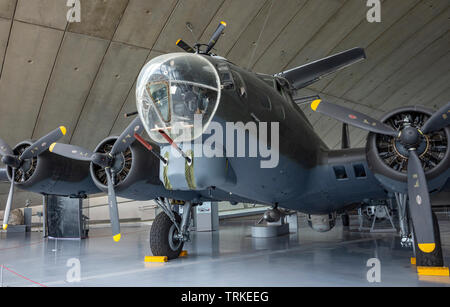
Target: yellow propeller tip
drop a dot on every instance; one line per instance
(178, 41)
(5, 227)
(52, 147)
(315, 104)
(117, 237)
(224, 23)
(427, 247)
(63, 130)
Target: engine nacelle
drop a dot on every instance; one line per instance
(136, 173)
(52, 174)
(388, 158)
(323, 222)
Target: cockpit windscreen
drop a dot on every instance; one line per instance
(173, 91)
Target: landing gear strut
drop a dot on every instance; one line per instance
(405, 237)
(170, 231)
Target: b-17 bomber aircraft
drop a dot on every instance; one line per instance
(219, 132)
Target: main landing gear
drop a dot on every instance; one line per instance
(170, 231)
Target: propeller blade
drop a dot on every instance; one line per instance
(216, 36)
(351, 117)
(113, 210)
(71, 152)
(439, 120)
(127, 137)
(183, 45)
(5, 150)
(43, 143)
(419, 204)
(126, 115)
(9, 201)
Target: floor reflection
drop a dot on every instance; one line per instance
(228, 257)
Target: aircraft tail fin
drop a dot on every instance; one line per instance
(307, 74)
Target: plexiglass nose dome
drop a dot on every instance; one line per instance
(172, 90)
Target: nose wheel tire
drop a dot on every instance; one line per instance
(435, 258)
(163, 240)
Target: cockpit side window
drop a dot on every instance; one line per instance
(226, 77)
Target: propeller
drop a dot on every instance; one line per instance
(410, 137)
(17, 161)
(9, 201)
(105, 160)
(212, 42)
(438, 120)
(183, 45)
(419, 203)
(112, 203)
(351, 117)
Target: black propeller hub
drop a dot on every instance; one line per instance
(410, 137)
(11, 161)
(118, 163)
(103, 160)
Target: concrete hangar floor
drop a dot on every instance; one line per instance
(229, 257)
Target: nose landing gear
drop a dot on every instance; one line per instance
(169, 230)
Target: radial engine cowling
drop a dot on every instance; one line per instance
(388, 158)
(135, 172)
(52, 174)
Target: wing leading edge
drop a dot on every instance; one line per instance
(307, 74)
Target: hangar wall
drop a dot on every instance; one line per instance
(137, 211)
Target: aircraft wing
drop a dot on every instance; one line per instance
(307, 74)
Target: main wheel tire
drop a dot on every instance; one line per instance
(162, 241)
(434, 258)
